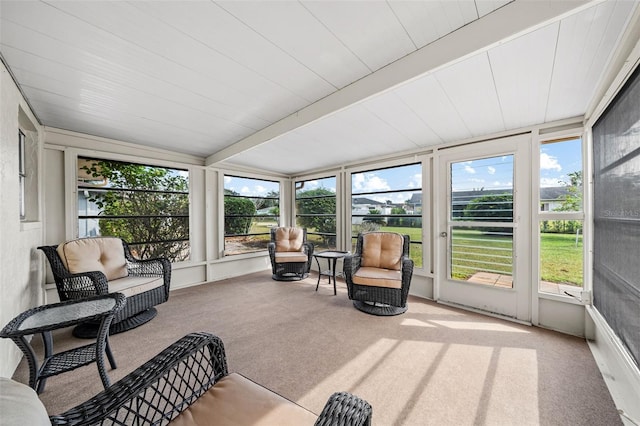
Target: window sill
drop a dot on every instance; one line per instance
(567, 299)
(30, 225)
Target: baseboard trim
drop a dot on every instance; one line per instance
(620, 372)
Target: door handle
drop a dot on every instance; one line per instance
(443, 234)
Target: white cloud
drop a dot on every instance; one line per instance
(469, 169)
(549, 162)
(491, 170)
(227, 179)
(416, 181)
(244, 190)
(370, 182)
(547, 182)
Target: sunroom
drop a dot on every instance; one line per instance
(502, 136)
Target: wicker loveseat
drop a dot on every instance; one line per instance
(378, 274)
(90, 266)
(186, 384)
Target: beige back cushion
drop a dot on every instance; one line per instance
(104, 254)
(382, 250)
(289, 239)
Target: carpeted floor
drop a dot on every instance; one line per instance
(434, 365)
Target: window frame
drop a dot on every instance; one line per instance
(581, 294)
(336, 245)
(278, 217)
(425, 211)
(22, 174)
(77, 157)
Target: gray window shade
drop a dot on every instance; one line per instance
(616, 266)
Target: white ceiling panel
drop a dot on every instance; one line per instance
(522, 73)
(487, 6)
(430, 102)
(372, 32)
(319, 50)
(428, 21)
(585, 44)
(391, 109)
(222, 32)
(470, 88)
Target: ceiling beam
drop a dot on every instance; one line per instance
(508, 22)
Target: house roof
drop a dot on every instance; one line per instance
(254, 84)
(546, 194)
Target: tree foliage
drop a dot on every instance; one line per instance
(374, 216)
(317, 210)
(238, 214)
(150, 205)
(496, 208)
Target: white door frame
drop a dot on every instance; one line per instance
(515, 303)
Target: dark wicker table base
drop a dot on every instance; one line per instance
(89, 330)
(379, 309)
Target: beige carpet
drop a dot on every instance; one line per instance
(434, 365)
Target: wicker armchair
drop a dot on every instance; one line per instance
(378, 274)
(290, 254)
(157, 392)
(145, 283)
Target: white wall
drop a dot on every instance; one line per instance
(20, 279)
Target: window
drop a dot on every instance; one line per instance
(147, 206)
(560, 217)
(22, 173)
(389, 199)
(316, 211)
(482, 238)
(251, 209)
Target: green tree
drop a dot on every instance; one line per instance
(494, 208)
(374, 217)
(396, 221)
(497, 208)
(316, 210)
(146, 205)
(572, 200)
(238, 213)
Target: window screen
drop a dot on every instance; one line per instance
(616, 278)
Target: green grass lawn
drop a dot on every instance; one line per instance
(560, 256)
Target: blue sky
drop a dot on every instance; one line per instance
(557, 160)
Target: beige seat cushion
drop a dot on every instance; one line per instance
(382, 250)
(378, 277)
(104, 254)
(289, 239)
(20, 405)
(236, 400)
(291, 256)
(130, 286)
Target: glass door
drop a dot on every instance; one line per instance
(484, 227)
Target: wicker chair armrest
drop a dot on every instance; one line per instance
(148, 267)
(351, 264)
(158, 390)
(407, 269)
(344, 408)
(308, 248)
(83, 284)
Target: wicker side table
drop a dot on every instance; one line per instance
(332, 257)
(44, 319)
